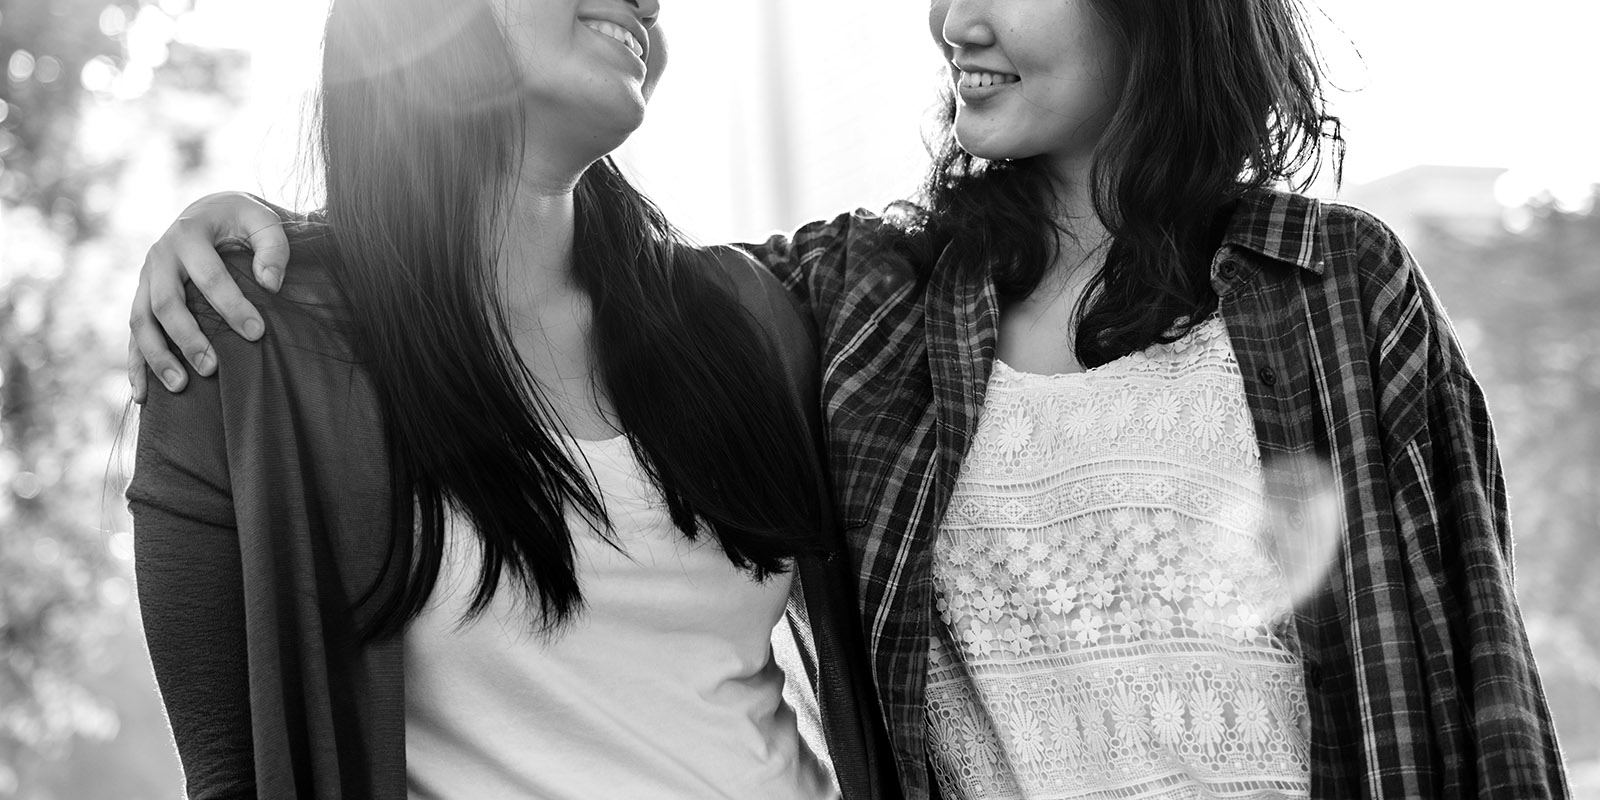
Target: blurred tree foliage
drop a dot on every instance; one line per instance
(44, 47)
(53, 562)
(1526, 303)
(73, 675)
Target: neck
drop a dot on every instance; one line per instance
(1074, 176)
(538, 223)
(1074, 211)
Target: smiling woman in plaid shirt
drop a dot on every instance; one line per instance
(1159, 482)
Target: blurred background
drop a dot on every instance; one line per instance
(1471, 129)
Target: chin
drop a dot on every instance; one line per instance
(992, 147)
(625, 112)
(603, 142)
(623, 126)
(599, 128)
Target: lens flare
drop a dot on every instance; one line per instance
(1303, 520)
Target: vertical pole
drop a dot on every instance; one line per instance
(775, 104)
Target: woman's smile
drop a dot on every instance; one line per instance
(975, 85)
(619, 34)
(1071, 63)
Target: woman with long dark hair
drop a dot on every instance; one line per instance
(1161, 481)
(511, 500)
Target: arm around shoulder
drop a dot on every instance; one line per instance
(812, 262)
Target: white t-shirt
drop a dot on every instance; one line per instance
(663, 686)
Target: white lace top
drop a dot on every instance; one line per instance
(1109, 616)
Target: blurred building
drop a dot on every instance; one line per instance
(1424, 200)
(773, 113)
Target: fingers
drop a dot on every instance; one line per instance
(240, 217)
(171, 311)
(271, 247)
(136, 373)
(150, 347)
(197, 258)
(186, 252)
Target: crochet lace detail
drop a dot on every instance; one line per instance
(1110, 623)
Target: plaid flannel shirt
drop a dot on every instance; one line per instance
(1420, 678)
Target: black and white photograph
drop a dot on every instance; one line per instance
(826, 400)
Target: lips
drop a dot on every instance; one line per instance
(616, 33)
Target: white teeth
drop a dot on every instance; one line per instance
(617, 32)
(978, 80)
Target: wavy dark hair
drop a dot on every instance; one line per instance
(421, 137)
(1222, 98)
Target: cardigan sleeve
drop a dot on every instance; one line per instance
(821, 644)
(190, 583)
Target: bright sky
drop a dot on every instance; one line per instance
(1463, 82)
(1471, 83)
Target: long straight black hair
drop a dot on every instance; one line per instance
(1221, 98)
(421, 135)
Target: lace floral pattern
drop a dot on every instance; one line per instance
(1112, 626)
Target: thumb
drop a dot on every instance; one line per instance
(271, 247)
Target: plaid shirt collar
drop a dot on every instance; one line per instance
(1282, 227)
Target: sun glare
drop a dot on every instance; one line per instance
(759, 123)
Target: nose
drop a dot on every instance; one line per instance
(966, 23)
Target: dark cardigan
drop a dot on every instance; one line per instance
(261, 503)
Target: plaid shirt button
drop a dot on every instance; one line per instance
(1268, 376)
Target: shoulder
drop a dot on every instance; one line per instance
(1395, 296)
(1353, 263)
(850, 241)
(831, 231)
(839, 230)
(739, 271)
(1406, 321)
(307, 314)
(775, 311)
(1351, 253)
(759, 292)
(1357, 241)
(201, 424)
(1324, 238)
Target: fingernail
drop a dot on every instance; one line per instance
(252, 329)
(172, 378)
(203, 361)
(272, 279)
